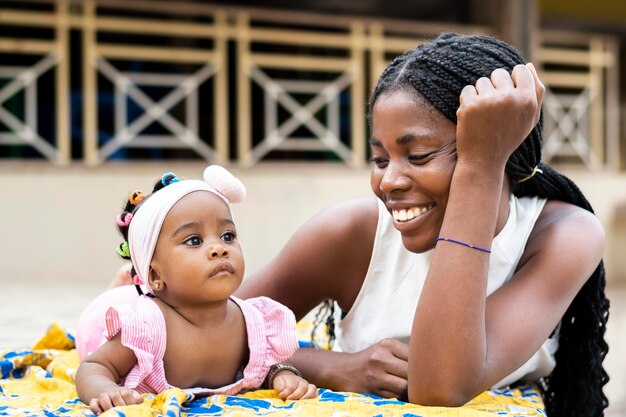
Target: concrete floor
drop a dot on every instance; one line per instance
(29, 308)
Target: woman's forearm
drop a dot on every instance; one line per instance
(449, 339)
(326, 369)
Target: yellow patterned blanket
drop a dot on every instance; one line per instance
(39, 382)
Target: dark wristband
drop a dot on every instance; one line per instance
(275, 369)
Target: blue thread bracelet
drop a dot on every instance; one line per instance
(447, 239)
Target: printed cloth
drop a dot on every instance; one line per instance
(40, 382)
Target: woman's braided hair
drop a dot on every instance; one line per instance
(438, 71)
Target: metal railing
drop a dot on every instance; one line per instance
(581, 106)
(249, 85)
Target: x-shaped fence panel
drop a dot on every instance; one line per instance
(277, 136)
(183, 87)
(25, 132)
(567, 116)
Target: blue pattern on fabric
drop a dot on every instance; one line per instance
(388, 402)
(252, 404)
(327, 395)
(5, 368)
(197, 408)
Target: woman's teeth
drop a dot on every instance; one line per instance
(408, 214)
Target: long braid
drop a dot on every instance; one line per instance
(438, 71)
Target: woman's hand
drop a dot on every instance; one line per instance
(382, 369)
(497, 114)
(293, 387)
(114, 397)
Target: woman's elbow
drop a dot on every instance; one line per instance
(440, 395)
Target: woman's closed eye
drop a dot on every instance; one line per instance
(379, 162)
(420, 159)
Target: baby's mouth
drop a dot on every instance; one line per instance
(223, 267)
(404, 215)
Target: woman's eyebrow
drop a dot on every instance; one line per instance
(374, 142)
(404, 139)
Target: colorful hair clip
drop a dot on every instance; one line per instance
(123, 250)
(136, 197)
(169, 178)
(123, 219)
(137, 280)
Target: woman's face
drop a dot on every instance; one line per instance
(414, 153)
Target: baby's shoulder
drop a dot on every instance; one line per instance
(141, 325)
(265, 307)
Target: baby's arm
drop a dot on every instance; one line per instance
(97, 378)
(289, 383)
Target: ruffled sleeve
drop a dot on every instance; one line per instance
(142, 328)
(280, 329)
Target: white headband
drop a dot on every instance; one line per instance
(148, 219)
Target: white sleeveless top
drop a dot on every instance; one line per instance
(388, 298)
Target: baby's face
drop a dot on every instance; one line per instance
(197, 257)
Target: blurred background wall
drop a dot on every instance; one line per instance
(98, 97)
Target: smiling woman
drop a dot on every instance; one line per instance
(425, 150)
(477, 267)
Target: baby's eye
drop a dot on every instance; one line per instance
(193, 241)
(229, 236)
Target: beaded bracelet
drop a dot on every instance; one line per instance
(469, 245)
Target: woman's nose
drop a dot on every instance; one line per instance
(217, 251)
(394, 179)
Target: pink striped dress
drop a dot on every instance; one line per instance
(271, 331)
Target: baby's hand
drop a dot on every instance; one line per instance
(113, 398)
(293, 387)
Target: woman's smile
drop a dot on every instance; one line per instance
(408, 220)
(404, 215)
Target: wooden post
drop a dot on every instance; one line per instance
(358, 95)
(62, 84)
(244, 96)
(90, 85)
(220, 92)
(515, 22)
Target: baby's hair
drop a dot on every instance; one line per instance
(438, 71)
(135, 199)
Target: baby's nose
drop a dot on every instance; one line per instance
(217, 251)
